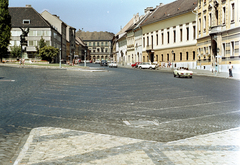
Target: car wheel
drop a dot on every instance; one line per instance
(174, 75)
(178, 75)
(190, 76)
(140, 67)
(150, 68)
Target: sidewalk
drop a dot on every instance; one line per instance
(198, 72)
(48, 145)
(63, 67)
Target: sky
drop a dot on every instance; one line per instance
(92, 15)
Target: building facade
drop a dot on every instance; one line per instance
(169, 35)
(98, 43)
(218, 34)
(61, 27)
(27, 17)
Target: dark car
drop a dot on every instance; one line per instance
(103, 63)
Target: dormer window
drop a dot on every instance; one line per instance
(26, 21)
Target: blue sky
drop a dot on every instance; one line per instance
(92, 15)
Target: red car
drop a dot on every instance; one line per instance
(135, 65)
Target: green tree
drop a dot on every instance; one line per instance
(5, 28)
(41, 44)
(15, 51)
(48, 53)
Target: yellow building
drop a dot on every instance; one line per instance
(218, 34)
(169, 34)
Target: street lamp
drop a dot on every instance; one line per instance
(172, 59)
(60, 58)
(85, 58)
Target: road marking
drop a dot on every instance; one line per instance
(126, 122)
(8, 80)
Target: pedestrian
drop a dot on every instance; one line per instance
(230, 67)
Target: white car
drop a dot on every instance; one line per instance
(182, 72)
(146, 65)
(112, 64)
(97, 62)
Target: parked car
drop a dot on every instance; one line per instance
(104, 63)
(112, 64)
(182, 72)
(97, 62)
(135, 65)
(146, 65)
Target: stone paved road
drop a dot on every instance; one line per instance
(144, 104)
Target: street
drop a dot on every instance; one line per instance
(141, 104)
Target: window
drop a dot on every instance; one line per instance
(26, 21)
(232, 12)
(181, 35)
(194, 32)
(232, 48)
(144, 42)
(224, 15)
(90, 43)
(174, 57)
(147, 41)
(162, 57)
(156, 39)
(106, 50)
(199, 23)
(223, 49)
(187, 30)
(216, 16)
(162, 38)
(210, 19)
(168, 37)
(180, 56)
(204, 23)
(174, 36)
(186, 55)
(194, 55)
(156, 58)
(167, 57)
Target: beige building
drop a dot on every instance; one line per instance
(218, 34)
(99, 44)
(169, 35)
(61, 27)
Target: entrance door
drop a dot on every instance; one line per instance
(152, 57)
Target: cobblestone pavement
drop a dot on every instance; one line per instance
(139, 104)
(47, 145)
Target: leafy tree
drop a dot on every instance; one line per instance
(5, 28)
(48, 53)
(15, 51)
(41, 44)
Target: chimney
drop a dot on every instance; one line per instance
(28, 5)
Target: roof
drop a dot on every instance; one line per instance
(18, 14)
(78, 40)
(169, 10)
(136, 25)
(129, 24)
(97, 36)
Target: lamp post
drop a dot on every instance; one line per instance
(85, 58)
(60, 58)
(172, 59)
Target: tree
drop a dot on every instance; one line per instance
(41, 44)
(48, 53)
(15, 51)
(5, 28)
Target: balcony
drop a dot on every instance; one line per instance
(215, 29)
(149, 48)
